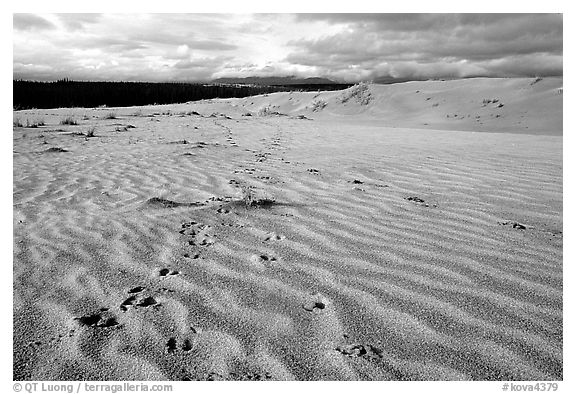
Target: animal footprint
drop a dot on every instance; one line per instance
(206, 241)
(316, 304)
(136, 289)
(251, 376)
(192, 228)
(138, 301)
(198, 233)
(172, 345)
(262, 258)
(50, 341)
(166, 271)
(517, 226)
(98, 320)
(368, 352)
(273, 237)
(186, 345)
(419, 201)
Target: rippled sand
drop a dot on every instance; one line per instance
(372, 251)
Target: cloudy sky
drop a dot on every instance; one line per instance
(343, 47)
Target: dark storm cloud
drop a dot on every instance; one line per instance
(523, 44)
(31, 22)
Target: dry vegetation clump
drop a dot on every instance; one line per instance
(255, 198)
(110, 115)
(360, 92)
(318, 105)
(29, 124)
(90, 132)
(535, 81)
(69, 120)
(267, 111)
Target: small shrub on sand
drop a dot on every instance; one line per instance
(318, 105)
(29, 124)
(535, 81)
(69, 120)
(267, 111)
(360, 92)
(90, 132)
(110, 115)
(253, 198)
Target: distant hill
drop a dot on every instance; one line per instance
(284, 81)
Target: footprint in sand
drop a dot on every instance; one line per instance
(192, 228)
(316, 304)
(137, 289)
(273, 237)
(166, 272)
(138, 299)
(515, 225)
(251, 376)
(138, 302)
(205, 241)
(419, 201)
(98, 320)
(172, 345)
(199, 234)
(36, 345)
(214, 376)
(368, 352)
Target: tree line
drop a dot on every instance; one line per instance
(65, 93)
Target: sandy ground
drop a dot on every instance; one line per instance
(389, 238)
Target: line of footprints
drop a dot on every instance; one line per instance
(199, 236)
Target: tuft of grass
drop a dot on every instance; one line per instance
(17, 123)
(318, 105)
(254, 199)
(69, 120)
(110, 115)
(90, 132)
(34, 124)
(535, 81)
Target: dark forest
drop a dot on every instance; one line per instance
(66, 93)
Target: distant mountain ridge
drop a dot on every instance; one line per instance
(290, 80)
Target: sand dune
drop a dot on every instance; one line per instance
(376, 247)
